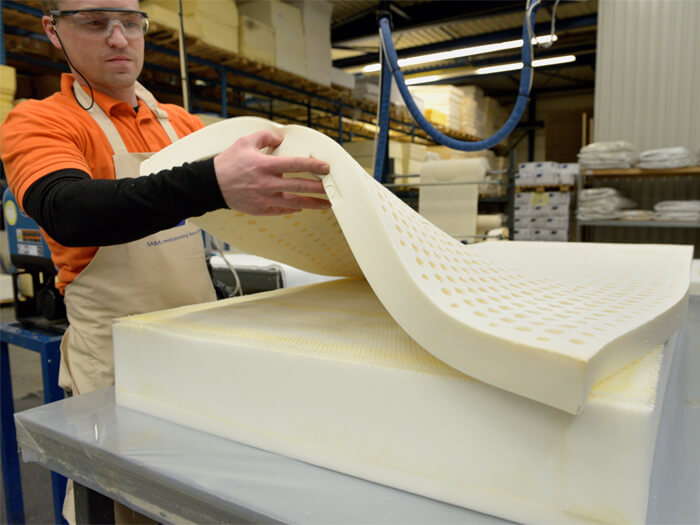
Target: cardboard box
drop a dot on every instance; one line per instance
(219, 32)
(316, 18)
(290, 49)
(366, 88)
(436, 117)
(8, 82)
(225, 11)
(256, 40)
(166, 17)
(340, 78)
(215, 33)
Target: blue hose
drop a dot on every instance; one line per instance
(437, 136)
(384, 106)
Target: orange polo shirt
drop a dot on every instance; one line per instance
(40, 137)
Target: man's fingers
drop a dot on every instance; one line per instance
(297, 185)
(303, 202)
(264, 139)
(298, 165)
(279, 210)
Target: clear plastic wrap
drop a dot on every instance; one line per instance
(175, 474)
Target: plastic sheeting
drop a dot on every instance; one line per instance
(172, 473)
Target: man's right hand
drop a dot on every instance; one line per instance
(252, 182)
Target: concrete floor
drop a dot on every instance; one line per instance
(25, 369)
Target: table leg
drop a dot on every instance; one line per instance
(50, 360)
(14, 503)
(91, 507)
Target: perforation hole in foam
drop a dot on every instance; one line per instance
(311, 239)
(548, 309)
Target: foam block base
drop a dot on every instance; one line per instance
(325, 375)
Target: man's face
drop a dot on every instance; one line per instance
(110, 58)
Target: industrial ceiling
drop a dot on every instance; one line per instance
(431, 26)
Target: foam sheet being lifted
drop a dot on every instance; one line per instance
(542, 320)
(325, 375)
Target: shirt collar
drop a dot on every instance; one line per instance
(106, 102)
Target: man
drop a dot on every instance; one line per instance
(72, 163)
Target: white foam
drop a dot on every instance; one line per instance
(324, 374)
(543, 320)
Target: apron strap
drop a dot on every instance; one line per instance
(160, 114)
(107, 125)
(115, 140)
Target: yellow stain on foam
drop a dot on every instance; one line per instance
(634, 383)
(339, 320)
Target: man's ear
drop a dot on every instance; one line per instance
(50, 31)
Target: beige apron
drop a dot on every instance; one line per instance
(163, 270)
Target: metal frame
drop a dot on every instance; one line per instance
(48, 345)
(580, 183)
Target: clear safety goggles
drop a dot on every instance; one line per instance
(101, 22)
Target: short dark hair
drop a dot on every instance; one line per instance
(49, 5)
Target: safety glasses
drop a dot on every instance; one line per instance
(101, 22)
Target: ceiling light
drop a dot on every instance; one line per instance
(564, 59)
(463, 52)
(422, 80)
(514, 66)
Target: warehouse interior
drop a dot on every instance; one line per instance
(594, 189)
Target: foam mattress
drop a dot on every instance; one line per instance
(325, 374)
(545, 321)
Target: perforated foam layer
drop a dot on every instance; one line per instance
(543, 320)
(325, 375)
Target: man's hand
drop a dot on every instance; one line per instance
(252, 182)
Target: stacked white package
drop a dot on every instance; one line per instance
(602, 204)
(290, 52)
(526, 174)
(637, 215)
(537, 174)
(686, 211)
(494, 116)
(559, 223)
(559, 198)
(472, 110)
(542, 216)
(665, 158)
(526, 222)
(366, 88)
(567, 173)
(445, 99)
(340, 78)
(545, 234)
(617, 154)
(523, 234)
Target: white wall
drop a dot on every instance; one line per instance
(647, 86)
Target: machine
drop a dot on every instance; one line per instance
(37, 301)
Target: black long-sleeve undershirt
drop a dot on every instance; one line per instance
(76, 210)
